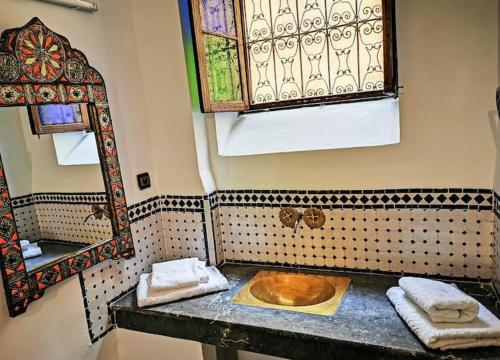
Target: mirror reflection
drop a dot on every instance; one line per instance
(55, 181)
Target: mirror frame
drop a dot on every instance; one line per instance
(26, 80)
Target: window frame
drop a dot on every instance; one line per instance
(389, 57)
(207, 106)
(38, 128)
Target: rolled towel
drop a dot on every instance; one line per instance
(32, 251)
(24, 244)
(483, 331)
(147, 296)
(177, 274)
(442, 302)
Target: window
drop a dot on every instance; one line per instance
(49, 119)
(264, 54)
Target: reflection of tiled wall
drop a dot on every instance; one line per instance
(61, 217)
(26, 219)
(496, 222)
(435, 231)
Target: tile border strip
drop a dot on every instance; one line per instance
(81, 198)
(419, 198)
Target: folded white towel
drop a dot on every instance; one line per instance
(443, 302)
(146, 296)
(177, 274)
(32, 251)
(483, 331)
(24, 244)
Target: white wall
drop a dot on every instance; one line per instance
(31, 162)
(448, 64)
(55, 327)
(15, 158)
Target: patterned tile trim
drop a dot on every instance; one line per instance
(144, 209)
(496, 204)
(454, 198)
(88, 198)
(182, 203)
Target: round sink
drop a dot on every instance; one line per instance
(292, 290)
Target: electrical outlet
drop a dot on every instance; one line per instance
(143, 181)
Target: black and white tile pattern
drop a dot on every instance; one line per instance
(465, 199)
(107, 281)
(27, 222)
(445, 232)
(166, 227)
(184, 226)
(496, 241)
(61, 216)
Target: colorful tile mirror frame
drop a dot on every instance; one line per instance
(38, 67)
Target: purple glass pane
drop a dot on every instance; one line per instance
(218, 17)
(59, 114)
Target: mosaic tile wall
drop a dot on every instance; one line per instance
(61, 217)
(446, 232)
(496, 222)
(109, 280)
(165, 227)
(184, 226)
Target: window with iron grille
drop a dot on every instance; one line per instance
(265, 54)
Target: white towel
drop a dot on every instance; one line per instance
(32, 251)
(177, 274)
(443, 302)
(24, 244)
(147, 296)
(484, 331)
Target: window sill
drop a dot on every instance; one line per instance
(350, 125)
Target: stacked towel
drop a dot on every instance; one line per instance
(147, 296)
(483, 331)
(30, 250)
(24, 244)
(442, 302)
(178, 274)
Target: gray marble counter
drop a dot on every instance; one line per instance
(366, 326)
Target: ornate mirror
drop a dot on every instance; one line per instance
(62, 202)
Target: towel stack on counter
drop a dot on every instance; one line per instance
(442, 316)
(30, 250)
(178, 279)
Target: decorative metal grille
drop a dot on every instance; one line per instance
(313, 48)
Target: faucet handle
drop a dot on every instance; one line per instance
(314, 218)
(289, 217)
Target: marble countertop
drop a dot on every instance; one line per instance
(366, 326)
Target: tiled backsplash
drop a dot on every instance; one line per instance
(496, 240)
(447, 232)
(61, 216)
(107, 281)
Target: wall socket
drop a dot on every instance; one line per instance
(144, 181)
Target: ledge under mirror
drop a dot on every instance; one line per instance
(62, 202)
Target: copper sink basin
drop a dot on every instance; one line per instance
(309, 293)
(292, 290)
